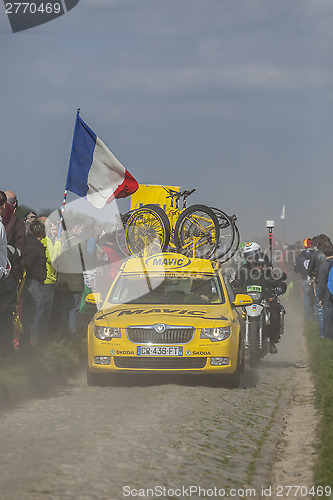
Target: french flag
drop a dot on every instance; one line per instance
(94, 172)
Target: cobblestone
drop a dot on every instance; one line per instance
(88, 443)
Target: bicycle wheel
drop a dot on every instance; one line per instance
(121, 233)
(147, 231)
(227, 231)
(225, 257)
(197, 232)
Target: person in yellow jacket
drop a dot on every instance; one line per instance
(45, 300)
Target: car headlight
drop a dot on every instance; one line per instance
(215, 334)
(106, 332)
(255, 295)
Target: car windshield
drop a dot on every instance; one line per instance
(147, 289)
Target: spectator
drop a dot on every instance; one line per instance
(317, 261)
(302, 266)
(89, 235)
(34, 262)
(45, 301)
(12, 199)
(324, 295)
(7, 215)
(15, 227)
(111, 265)
(16, 239)
(29, 217)
(70, 267)
(6, 344)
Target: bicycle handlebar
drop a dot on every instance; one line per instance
(172, 193)
(188, 193)
(177, 194)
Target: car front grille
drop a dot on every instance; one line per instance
(149, 335)
(159, 363)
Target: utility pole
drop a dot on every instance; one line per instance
(270, 226)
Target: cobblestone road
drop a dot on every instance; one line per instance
(89, 443)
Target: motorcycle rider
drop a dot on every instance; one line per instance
(258, 268)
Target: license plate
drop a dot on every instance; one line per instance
(160, 350)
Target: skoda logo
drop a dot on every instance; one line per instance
(160, 328)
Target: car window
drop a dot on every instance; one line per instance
(230, 291)
(150, 289)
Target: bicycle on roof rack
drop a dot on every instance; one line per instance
(192, 231)
(197, 231)
(229, 236)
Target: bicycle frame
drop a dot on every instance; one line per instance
(173, 212)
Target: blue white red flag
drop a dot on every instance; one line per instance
(94, 172)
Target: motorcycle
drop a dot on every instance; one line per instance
(277, 311)
(264, 317)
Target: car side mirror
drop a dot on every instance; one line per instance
(93, 298)
(242, 300)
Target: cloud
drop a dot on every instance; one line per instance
(235, 86)
(189, 81)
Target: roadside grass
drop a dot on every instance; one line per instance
(321, 366)
(36, 371)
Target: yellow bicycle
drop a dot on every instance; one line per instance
(192, 231)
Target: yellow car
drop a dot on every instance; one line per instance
(168, 313)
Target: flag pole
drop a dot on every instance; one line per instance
(61, 221)
(283, 216)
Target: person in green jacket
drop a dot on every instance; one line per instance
(70, 267)
(45, 300)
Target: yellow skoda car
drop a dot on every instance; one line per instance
(168, 313)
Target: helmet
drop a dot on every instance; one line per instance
(252, 251)
(308, 243)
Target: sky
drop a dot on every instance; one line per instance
(233, 97)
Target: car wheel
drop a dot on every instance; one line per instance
(242, 362)
(94, 379)
(233, 379)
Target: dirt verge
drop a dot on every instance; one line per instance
(296, 454)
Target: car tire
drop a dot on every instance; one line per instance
(94, 379)
(232, 380)
(242, 361)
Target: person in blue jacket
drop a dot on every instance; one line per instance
(324, 295)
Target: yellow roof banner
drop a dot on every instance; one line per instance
(152, 193)
(166, 262)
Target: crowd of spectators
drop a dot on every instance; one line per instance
(313, 264)
(45, 273)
